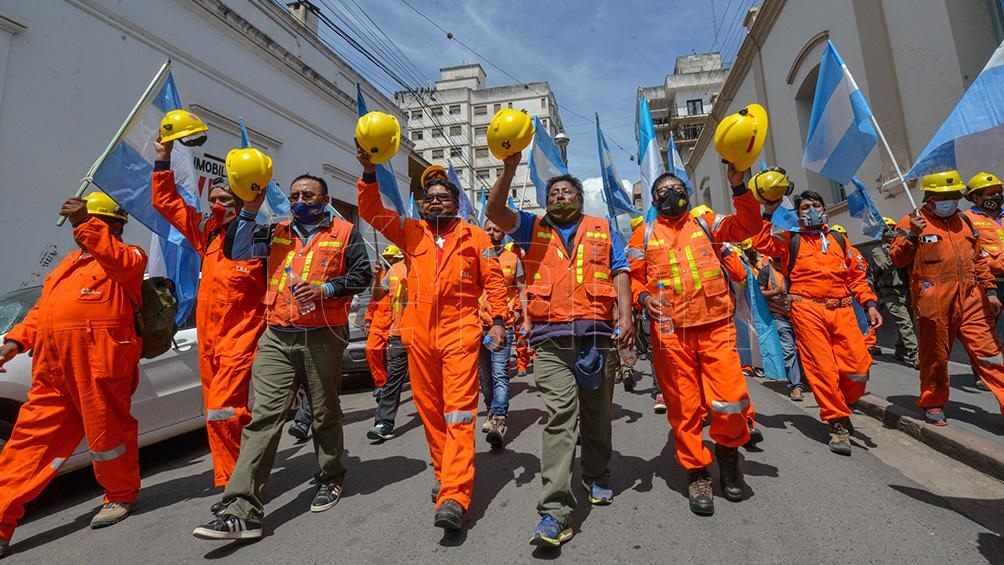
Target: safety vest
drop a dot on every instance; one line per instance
(509, 261)
(316, 262)
(991, 236)
(562, 286)
(681, 257)
(779, 303)
(397, 290)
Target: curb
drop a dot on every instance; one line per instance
(980, 454)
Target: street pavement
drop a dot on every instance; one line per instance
(893, 501)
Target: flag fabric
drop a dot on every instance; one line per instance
(277, 201)
(971, 139)
(386, 180)
(757, 339)
(649, 157)
(784, 219)
(840, 131)
(676, 164)
(545, 161)
(465, 209)
(412, 211)
(481, 209)
(126, 175)
(613, 191)
(861, 206)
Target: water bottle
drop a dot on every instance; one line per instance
(294, 281)
(665, 322)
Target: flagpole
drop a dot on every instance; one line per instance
(899, 172)
(89, 178)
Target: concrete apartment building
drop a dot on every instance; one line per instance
(448, 125)
(912, 60)
(681, 104)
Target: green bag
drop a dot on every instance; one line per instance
(155, 320)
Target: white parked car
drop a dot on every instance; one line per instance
(167, 402)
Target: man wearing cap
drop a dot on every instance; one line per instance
(891, 284)
(393, 289)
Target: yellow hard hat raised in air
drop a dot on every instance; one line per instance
(248, 172)
(509, 132)
(838, 228)
(981, 181)
(945, 181)
(739, 137)
(183, 125)
(392, 251)
(379, 134)
(700, 210)
(889, 222)
(100, 204)
(770, 186)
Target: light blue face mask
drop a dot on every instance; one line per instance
(945, 208)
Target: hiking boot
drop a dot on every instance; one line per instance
(840, 436)
(980, 385)
(111, 513)
(496, 430)
(660, 404)
(935, 416)
(300, 431)
(756, 436)
(550, 532)
(730, 478)
(795, 394)
(327, 496)
(700, 492)
(450, 515)
(599, 494)
(435, 492)
(380, 432)
(229, 527)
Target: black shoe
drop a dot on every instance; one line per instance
(299, 431)
(229, 527)
(756, 436)
(450, 515)
(700, 492)
(730, 477)
(327, 496)
(629, 383)
(219, 509)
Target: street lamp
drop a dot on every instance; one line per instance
(561, 140)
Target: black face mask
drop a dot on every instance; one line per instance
(674, 204)
(993, 203)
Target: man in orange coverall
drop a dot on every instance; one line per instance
(378, 321)
(824, 281)
(986, 193)
(229, 310)
(953, 290)
(677, 276)
(450, 264)
(85, 368)
(393, 285)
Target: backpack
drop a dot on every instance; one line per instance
(155, 319)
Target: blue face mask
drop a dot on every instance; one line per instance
(945, 208)
(307, 213)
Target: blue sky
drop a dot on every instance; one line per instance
(593, 54)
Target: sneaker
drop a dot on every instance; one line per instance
(229, 527)
(730, 476)
(550, 532)
(111, 513)
(756, 436)
(497, 430)
(435, 492)
(599, 494)
(747, 371)
(660, 404)
(300, 431)
(328, 495)
(219, 509)
(840, 437)
(980, 385)
(795, 394)
(487, 425)
(875, 350)
(700, 492)
(935, 416)
(380, 432)
(450, 515)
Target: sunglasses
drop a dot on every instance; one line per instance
(430, 198)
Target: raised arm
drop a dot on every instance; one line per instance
(496, 208)
(166, 200)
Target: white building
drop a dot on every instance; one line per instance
(70, 71)
(912, 61)
(448, 125)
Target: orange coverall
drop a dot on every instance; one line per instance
(991, 235)
(229, 315)
(441, 329)
(949, 275)
(696, 363)
(85, 368)
(862, 264)
(829, 341)
(379, 316)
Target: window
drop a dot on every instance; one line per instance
(437, 132)
(481, 130)
(695, 107)
(348, 211)
(510, 104)
(456, 130)
(436, 111)
(497, 107)
(457, 152)
(690, 132)
(543, 122)
(416, 114)
(454, 109)
(416, 135)
(481, 110)
(543, 103)
(481, 152)
(484, 174)
(437, 153)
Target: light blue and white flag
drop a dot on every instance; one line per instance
(412, 211)
(545, 161)
(649, 157)
(613, 191)
(972, 137)
(840, 131)
(861, 206)
(676, 164)
(465, 209)
(481, 209)
(277, 201)
(384, 173)
(784, 219)
(126, 175)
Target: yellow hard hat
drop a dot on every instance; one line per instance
(981, 181)
(392, 251)
(770, 186)
(889, 222)
(945, 181)
(700, 210)
(248, 172)
(746, 244)
(739, 137)
(838, 228)
(433, 171)
(379, 134)
(100, 204)
(182, 124)
(637, 221)
(509, 132)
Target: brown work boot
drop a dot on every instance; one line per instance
(795, 394)
(840, 436)
(496, 430)
(450, 515)
(730, 477)
(700, 492)
(111, 513)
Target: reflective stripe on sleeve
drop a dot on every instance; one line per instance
(219, 414)
(995, 360)
(57, 463)
(723, 407)
(858, 378)
(110, 454)
(458, 417)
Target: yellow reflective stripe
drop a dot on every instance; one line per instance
(693, 267)
(596, 234)
(663, 282)
(1000, 236)
(603, 276)
(656, 242)
(545, 235)
(536, 276)
(677, 283)
(281, 240)
(578, 264)
(696, 234)
(306, 266)
(561, 255)
(288, 262)
(712, 274)
(273, 281)
(330, 244)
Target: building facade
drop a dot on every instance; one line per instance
(448, 125)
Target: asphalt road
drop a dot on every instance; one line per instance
(893, 501)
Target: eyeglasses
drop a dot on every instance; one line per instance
(304, 196)
(666, 189)
(438, 197)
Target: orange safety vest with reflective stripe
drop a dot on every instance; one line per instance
(316, 262)
(779, 303)
(563, 286)
(509, 262)
(397, 290)
(991, 236)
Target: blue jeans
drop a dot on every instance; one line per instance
(791, 364)
(493, 368)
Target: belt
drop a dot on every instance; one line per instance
(830, 303)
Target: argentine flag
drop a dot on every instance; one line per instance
(464, 207)
(545, 161)
(972, 137)
(840, 132)
(676, 164)
(648, 155)
(613, 191)
(861, 206)
(386, 181)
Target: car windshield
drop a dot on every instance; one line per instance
(14, 306)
